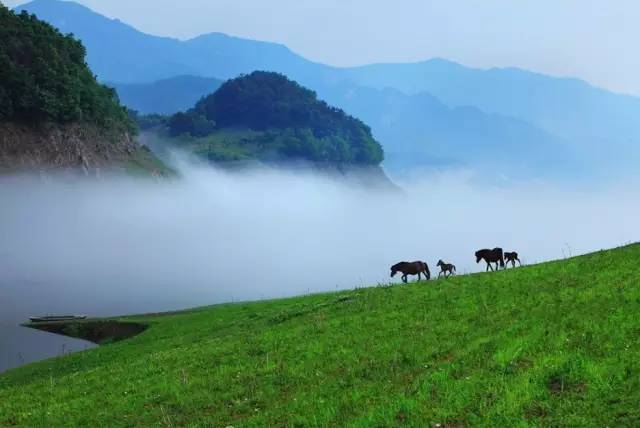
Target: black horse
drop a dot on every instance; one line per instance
(490, 256)
(411, 268)
(512, 257)
(446, 268)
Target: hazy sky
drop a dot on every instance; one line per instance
(595, 40)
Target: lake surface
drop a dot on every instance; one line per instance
(21, 345)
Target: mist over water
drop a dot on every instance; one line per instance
(121, 246)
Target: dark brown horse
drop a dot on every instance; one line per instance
(446, 268)
(411, 268)
(512, 257)
(490, 256)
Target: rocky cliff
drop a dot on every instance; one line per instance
(73, 148)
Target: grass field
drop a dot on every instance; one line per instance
(226, 145)
(556, 344)
(143, 162)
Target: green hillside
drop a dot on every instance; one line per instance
(53, 112)
(44, 77)
(556, 344)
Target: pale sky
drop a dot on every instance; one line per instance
(594, 40)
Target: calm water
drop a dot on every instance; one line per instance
(21, 345)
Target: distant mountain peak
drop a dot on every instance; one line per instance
(591, 120)
(68, 5)
(218, 37)
(441, 61)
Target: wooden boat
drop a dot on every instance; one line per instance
(54, 318)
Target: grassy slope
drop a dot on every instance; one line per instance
(142, 162)
(555, 344)
(221, 146)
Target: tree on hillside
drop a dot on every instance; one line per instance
(44, 77)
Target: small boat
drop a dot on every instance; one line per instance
(53, 318)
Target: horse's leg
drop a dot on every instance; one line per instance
(519, 263)
(404, 278)
(419, 277)
(489, 267)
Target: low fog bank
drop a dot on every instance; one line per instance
(123, 245)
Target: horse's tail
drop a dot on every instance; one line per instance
(426, 270)
(500, 252)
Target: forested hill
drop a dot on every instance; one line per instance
(53, 113)
(275, 119)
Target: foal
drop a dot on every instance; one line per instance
(446, 267)
(512, 257)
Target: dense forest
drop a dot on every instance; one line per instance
(44, 78)
(288, 119)
(54, 115)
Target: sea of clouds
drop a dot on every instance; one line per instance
(121, 245)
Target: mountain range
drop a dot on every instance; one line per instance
(166, 96)
(429, 114)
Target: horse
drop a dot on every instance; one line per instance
(512, 257)
(490, 256)
(446, 267)
(411, 268)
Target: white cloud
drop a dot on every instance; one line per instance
(121, 246)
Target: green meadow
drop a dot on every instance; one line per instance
(554, 344)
